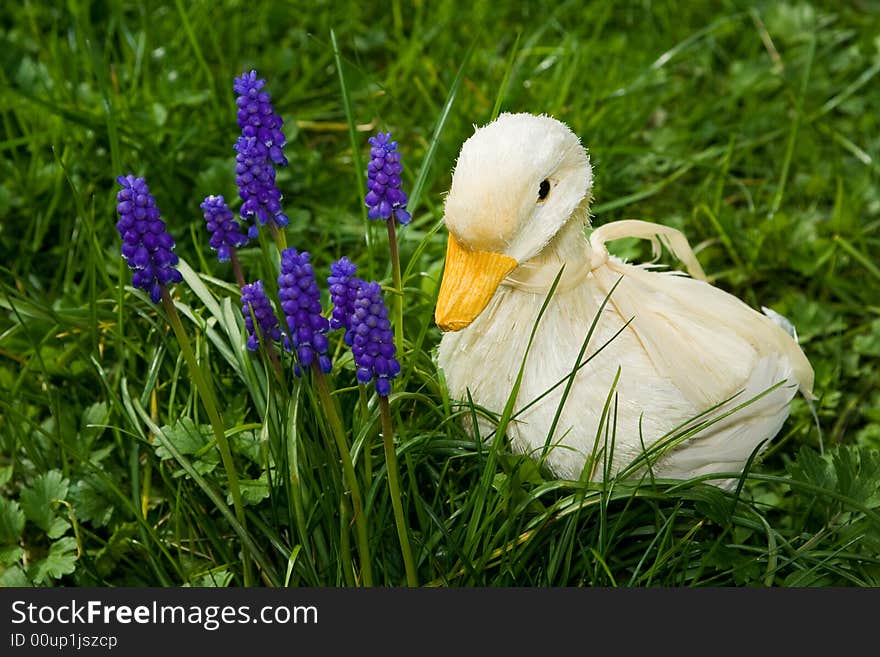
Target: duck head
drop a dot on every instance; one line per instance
(517, 182)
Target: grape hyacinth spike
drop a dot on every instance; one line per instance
(343, 291)
(258, 149)
(301, 305)
(384, 197)
(147, 246)
(253, 298)
(224, 229)
(373, 340)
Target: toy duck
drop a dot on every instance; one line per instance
(698, 382)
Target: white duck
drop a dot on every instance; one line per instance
(516, 213)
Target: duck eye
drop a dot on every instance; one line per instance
(544, 189)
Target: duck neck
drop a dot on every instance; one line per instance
(569, 248)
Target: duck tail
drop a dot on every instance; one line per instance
(785, 324)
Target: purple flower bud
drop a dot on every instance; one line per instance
(257, 118)
(258, 147)
(146, 246)
(372, 339)
(301, 303)
(255, 177)
(343, 291)
(385, 199)
(225, 232)
(254, 299)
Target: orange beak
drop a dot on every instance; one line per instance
(470, 278)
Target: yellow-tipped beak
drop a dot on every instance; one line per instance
(470, 278)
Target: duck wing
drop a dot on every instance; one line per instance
(706, 340)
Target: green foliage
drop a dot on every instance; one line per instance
(190, 440)
(749, 126)
(31, 558)
(60, 561)
(11, 521)
(39, 499)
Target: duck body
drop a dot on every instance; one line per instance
(667, 352)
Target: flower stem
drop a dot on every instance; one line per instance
(207, 397)
(397, 282)
(148, 476)
(276, 363)
(354, 488)
(394, 488)
(293, 472)
(236, 267)
(368, 440)
(278, 235)
(345, 540)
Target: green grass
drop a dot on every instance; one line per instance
(750, 127)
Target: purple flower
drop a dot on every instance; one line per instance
(225, 232)
(255, 177)
(258, 147)
(385, 198)
(254, 299)
(373, 339)
(257, 118)
(146, 245)
(301, 303)
(343, 292)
